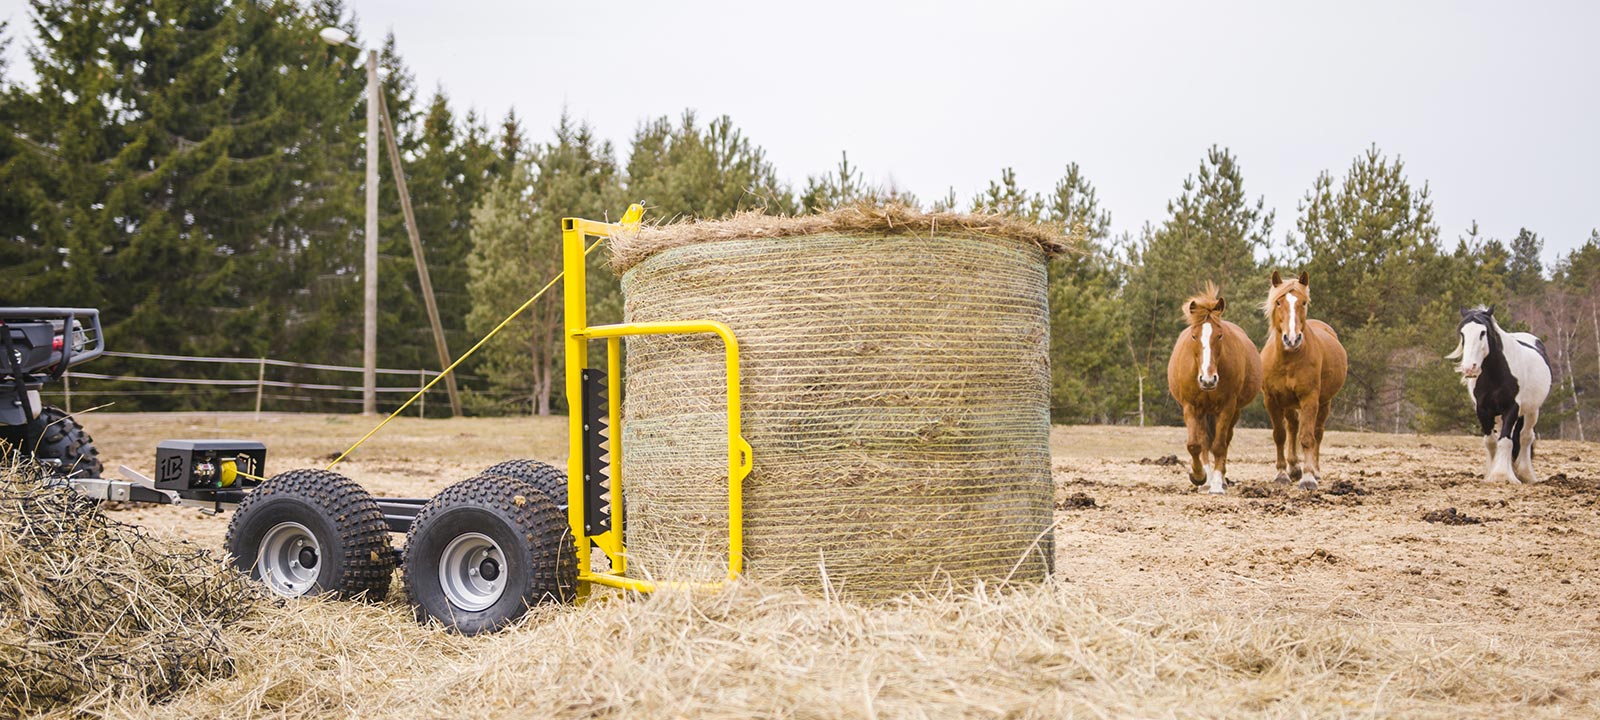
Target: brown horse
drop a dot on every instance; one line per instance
(1214, 373)
(1305, 367)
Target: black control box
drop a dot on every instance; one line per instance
(209, 464)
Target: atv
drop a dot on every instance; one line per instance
(37, 345)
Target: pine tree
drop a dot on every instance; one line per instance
(1006, 197)
(947, 203)
(1212, 233)
(686, 171)
(845, 187)
(1473, 274)
(1073, 205)
(1525, 271)
(1379, 278)
(1091, 380)
(446, 173)
(516, 244)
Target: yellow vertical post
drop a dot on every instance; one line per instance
(619, 558)
(575, 294)
(739, 460)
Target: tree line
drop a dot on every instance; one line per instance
(195, 169)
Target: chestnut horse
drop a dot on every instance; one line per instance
(1305, 367)
(1214, 373)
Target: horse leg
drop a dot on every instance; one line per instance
(1219, 450)
(1486, 424)
(1325, 407)
(1505, 450)
(1208, 456)
(1291, 416)
(1522, 466)
(1280, 431)
(1192, 421)
(1307, 435)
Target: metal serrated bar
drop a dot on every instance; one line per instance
(596, 460)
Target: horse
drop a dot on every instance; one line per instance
(1507, 377)
(1213, 373)
(1305, 367)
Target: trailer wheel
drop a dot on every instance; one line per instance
(484, 550)
(313, 532)
(542, 476)
(61, 445)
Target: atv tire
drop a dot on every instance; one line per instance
(484, 550)
(313, 532)
(542, 476)
(58, 442)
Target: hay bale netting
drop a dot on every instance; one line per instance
(895, 394)
(91, 608)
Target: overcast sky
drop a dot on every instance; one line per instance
(1495, 105)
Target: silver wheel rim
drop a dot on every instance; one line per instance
(282, 561)
(472, 572)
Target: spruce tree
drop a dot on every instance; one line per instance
(175, 168)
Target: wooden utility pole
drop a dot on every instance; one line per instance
(369, 330)
(428, 300)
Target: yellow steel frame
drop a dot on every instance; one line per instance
(574, 232)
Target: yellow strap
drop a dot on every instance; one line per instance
(464, 356)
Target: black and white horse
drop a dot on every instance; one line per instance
(1507, 376)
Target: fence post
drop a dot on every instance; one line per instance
(261, 378)
(66, 385)
(1141, 401)
(422, 402)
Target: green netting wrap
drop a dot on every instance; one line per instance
(895, 394)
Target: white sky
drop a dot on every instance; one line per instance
(1495, 105)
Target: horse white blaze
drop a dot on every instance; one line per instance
(1474, 348)
(1206, 371)
(1294, 321)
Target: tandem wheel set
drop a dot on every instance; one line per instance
(478, 554)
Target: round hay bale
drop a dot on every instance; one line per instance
(895, 393)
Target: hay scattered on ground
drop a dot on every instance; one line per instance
(93, 608)
(751, 652)
(629, 250)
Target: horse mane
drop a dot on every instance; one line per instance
(1203, 306)
(1479, 313)
(1276, 293)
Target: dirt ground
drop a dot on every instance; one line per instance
(1404, 529)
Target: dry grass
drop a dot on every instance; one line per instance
(754, 652)
(629, 250)
(93, 608)
(1178, 604)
